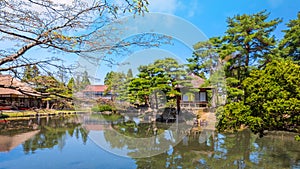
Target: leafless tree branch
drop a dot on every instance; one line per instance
(27, 24)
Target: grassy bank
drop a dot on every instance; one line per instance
(33, 113)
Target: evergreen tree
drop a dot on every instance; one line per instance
(139, 88)
(273, 102)
(163, 75)
(290, 44)
(115, 82)
(109, 78)
(206, 60)
(71, 83)
(85, 80)
(27, 73)
(251, 37)
(205, 57)
(30, 73)
(53, 90)
(129, 74)
(81, 80)
(262, 90)
(249, 42)
(71, 87)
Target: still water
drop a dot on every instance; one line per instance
(68, 143)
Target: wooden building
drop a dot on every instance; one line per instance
(15, 94)
(96, 91)
(195, 96)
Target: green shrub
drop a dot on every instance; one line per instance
(3, 116)
(102, 108)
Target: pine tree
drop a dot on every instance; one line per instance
(85, 80)
(205, 57)
(262, 88)
(273, 102)
(249, 42)
(71, 87)
(164, 75)
(290, 44)
(129, 74)
(115, 82)
(30, 73)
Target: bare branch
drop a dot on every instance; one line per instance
(19, 53)
(63, 27)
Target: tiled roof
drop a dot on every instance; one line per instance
(95, 88)
(6, 91)
(196, 81)
(7, 85)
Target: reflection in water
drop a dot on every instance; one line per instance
(15, 132)
(39, 133)
(207, 149)
(134, 138)
(140, 140)
(8, 143)
(238, 150)
(53, 133)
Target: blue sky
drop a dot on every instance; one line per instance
(210, 16)
(207, 16)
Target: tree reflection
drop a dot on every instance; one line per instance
(279, 149)
(212, 150)
(239, 150)
(143, 139)
(53, 132)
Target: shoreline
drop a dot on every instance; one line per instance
(27, 114)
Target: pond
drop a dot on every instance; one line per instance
(93, 142)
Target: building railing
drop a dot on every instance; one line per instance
(193, 105)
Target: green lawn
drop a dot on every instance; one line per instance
(31, 113)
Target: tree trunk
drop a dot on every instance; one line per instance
(156, 100)
(48, 105)
(178, 98)
(214, 98)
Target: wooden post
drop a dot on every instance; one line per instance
(178, 104)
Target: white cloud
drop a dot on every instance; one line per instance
(192, 9)
(164, 6)
(188, 8)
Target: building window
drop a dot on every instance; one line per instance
(185, 97)
(189, 97)
(203, 96)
